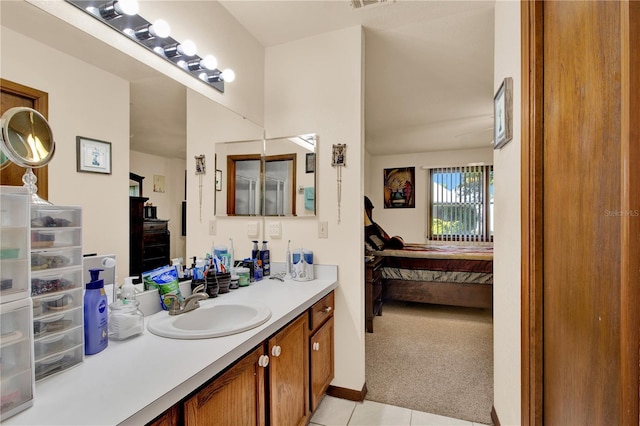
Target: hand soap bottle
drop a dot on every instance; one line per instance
(96, 329)
(264, 258)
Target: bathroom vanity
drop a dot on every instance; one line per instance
(151, 378)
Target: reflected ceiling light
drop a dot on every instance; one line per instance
(306, 141)
(121, 16)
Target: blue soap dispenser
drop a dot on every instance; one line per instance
(96, 314)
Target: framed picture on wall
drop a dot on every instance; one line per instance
(399, 188)
(310, 162)
(503, 114)
(93, 156)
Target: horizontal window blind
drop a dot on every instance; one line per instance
(461, 203)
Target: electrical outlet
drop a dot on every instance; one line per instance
(323, 229)
(212, 227)
(275, 229)
(252, 229)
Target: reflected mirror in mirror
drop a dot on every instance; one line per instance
(271, 177)
(290, 178)
(240, 191)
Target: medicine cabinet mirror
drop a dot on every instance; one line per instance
(267, 177)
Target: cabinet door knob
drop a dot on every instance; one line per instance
(327, 309)
(316, 346)
(276, 350)
(263, 361)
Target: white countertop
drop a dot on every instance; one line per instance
(133, 381)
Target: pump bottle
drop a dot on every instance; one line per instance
(264, 258)
(96, 314)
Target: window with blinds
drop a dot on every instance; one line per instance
(461, 203)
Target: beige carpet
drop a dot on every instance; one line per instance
(437, 359)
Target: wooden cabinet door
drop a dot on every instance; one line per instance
(321, 362)
(235, 398)
(289, 375)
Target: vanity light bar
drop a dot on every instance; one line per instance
(122, 17)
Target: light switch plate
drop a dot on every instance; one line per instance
(252, 229)
(323, 229)
(275, 229)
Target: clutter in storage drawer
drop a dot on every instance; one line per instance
(56, 288)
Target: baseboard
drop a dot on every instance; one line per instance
(494, 416)
(350, 394)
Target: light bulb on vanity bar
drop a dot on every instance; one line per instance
(186, 48)
(160, 28)
(209, 62)
(116, 8)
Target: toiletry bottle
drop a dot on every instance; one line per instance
(96, 329)
(255, 253)
(264, 259)
(257, 271)
(128, 291)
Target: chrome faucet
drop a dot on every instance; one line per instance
(189, 304)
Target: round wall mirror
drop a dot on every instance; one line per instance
(27, 140)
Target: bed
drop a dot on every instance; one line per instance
(458, 275)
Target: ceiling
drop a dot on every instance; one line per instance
(428, 68)
(428, 65)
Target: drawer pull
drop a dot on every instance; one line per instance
(316, 346)
(327, 309)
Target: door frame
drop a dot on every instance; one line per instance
(532, 213)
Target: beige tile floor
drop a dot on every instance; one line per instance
(341, 412)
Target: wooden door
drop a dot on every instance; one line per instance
(16, 95)
(581, 212)
(237, 397)
(289, 375)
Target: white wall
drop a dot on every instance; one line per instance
(168, 203)
(507, 251)
(299, 98)
(410, 224)
(78, 107)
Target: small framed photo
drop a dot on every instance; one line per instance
(93, 156)
(339, 155)
(218, 180)
(310, 162)
(503, 114)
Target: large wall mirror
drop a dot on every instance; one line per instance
(267, 177)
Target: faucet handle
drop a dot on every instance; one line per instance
(174, 306)
(198, 289)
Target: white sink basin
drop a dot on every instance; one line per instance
(215, 319)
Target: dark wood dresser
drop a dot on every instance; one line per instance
(149, 239)
(373, 291)
(155, 243)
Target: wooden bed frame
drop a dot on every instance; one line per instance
(474, 294)
(455, 294)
